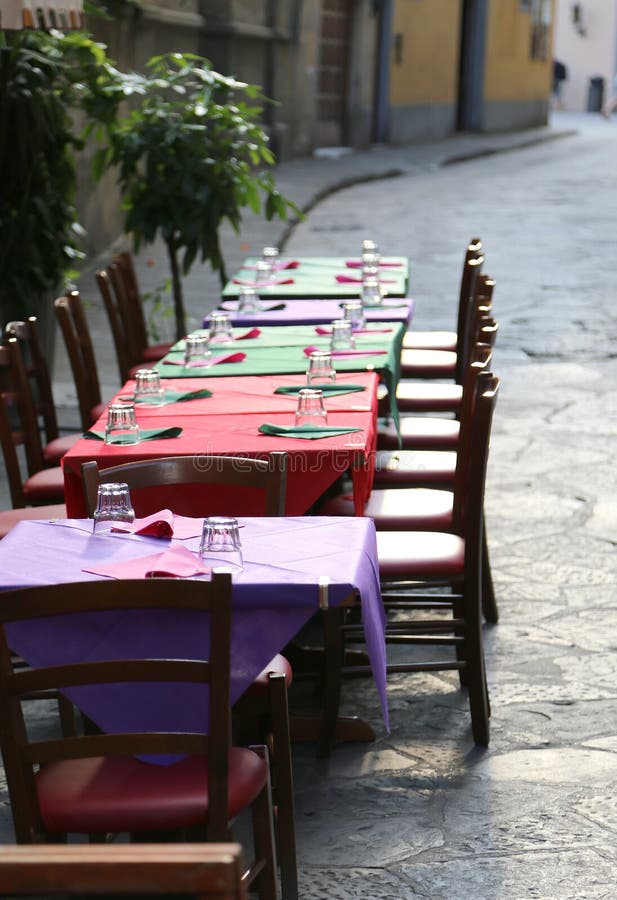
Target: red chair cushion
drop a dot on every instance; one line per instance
(419, 554)
(97, 411)
(141, 365)
(414, 467)
(420, 433)
(400, 509)
(46, 486)
(277, 666)
(156, 352)
(126, 794)
(430, 340)
(55, 450)
(420, 396)
(428, 364)
(10, 517)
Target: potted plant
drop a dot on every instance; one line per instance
(190, 153)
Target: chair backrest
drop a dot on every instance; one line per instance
(479, 363)
(27, 333)
(117, 322)
(269, 476)
(200, 871)
(18, 420)
(78, 341)
(22, 752)
(127, 288)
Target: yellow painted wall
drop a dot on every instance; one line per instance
(510, 73)
(428, 72)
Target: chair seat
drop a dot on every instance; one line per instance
(10, 517)
(141, 365)
(155, 352)
(277, 666)
(400, 509)
(97, 411)
(418, 396)
(414, 467)
(46, 486)
(55, 450)
(126, 794)
(430, 340)
(420, 433)
(428, 364)
(419, 554)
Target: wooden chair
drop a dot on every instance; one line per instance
(27, 333)
(19, 432)
(78, 342)
(95, 784)
(266, 700)
(410, 562)
(118, 325)
(200, 871)
(448, 340)
(125, 283)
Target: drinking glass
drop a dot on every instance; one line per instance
(342, 335)
(320, 368)
(248, 301)
(122, 427)
(148, 390)
(270, 255)
(371, 292)
(370, 261)
(354, 313)
(113, 504)
(221, 331)
(369, 247)
(310, 409)
(263, 270)
(196, 350)
(220, 546)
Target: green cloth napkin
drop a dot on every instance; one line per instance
(325, 388)
(307, 432)
(145, 434)
(183, 396)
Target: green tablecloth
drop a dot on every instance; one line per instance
(315, 277)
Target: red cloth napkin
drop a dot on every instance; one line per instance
(213, 361)
(177, 562)
(278, 266)
(164, 524)
(347, 279)
(322, 329)
(343, 353)
(357, 263)
(248, 335)
(257, 284)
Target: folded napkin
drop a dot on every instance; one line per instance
(343, 354)
(306, 432)
(326, 389)
(184, 396)
(347, 279)
(177, 562)
(145, 434)
(248, 335)
(282, 264)
(357, 263)
(258, 284)
(324, 329)
(206, 363)
(163, 524)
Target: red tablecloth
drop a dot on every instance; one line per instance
(314, 465)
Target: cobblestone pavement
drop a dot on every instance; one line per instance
(421, 812)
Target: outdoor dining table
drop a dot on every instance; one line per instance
(314, 312)
(292, 568)
(320, 276)
(283, 350)
(227, 423)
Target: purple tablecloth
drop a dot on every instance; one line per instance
(313, 312)
(272, 598)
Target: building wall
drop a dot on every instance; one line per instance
(587, 49)
(424, 69)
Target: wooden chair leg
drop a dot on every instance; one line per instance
(263, 831)
(489, 603)
(283, 787)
